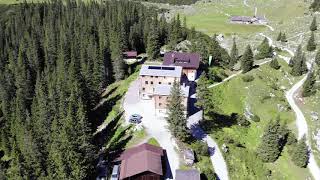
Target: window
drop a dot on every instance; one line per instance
(160, 104)
(160, 97)
(159, 82)
(146, 82)
(156, 76)
(143, 89)
(151, 76)
(169, 83)
(151, 82)
(167, 97)
(143, 75)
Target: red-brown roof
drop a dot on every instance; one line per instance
(140, 159)
(130, 53)
(185, 60)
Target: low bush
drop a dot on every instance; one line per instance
(200, 148)
(247, 78)
(256, 118)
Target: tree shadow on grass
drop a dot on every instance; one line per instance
(106, 134)
(99, 115)
(218, 121)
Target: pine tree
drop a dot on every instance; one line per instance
(247, 60)
(275, 64)
(234, 54)
(116, 56)
(176, 117)
(317, 58)
(308, 87)
(299, 154)
(271, 142)
(298, 63)
(311, 46)
(265, 51)
(313, 25)
(315, 5)
(283, 37)
(279, 37)
(153, 48)
(203, 93)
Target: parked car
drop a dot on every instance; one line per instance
(135, 118)
(115, 172)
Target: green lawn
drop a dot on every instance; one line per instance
(262, 96)
(213, 18)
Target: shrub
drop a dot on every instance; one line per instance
(207, 172)
(216, 74)
(242, 120)
(256, 118)
(247, 78)
(291, 138)
(200, 148)
(153, 141)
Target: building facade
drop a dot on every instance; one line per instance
(152, 76)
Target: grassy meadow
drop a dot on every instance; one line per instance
(263, 96)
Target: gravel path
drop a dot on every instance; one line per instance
(216, 157)
(155, 126)
(302, 126)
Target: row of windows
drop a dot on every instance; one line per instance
(151, 82)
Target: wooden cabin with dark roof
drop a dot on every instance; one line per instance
(143, 162)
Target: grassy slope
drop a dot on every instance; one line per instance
(234, 96)
(312, 104)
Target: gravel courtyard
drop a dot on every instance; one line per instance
(154, 126)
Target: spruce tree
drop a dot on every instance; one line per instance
(203, 93)
(298, 63)
(234, 54)
(274, 64)
(272, 141)
(176, 117)
(317, 58)
(313, 25)
(311, 46)
(152, 44)
(308, 87)
(315, 5)
(299, 154)
(283, 37)
(279, 36)
(247, 60)
(265, 51)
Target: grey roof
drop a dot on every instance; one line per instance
(165, 89)
(241, 18)
(189, 154)
(160, 70)
(191, 174)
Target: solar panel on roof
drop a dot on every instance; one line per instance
(168, 68)
(154, 67)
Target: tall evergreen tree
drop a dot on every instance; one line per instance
(153, 48)
(313, 25)
(315, 5)
(203, 94)
(279, 37)
(271, 142)
(298, 63)
(247, 60)
(317, 58)
(311, 46)
(283, 37)
(299, 154)
(234, 54)
(308, 87)
(176, 117)
(274, 64)
(265, 51)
